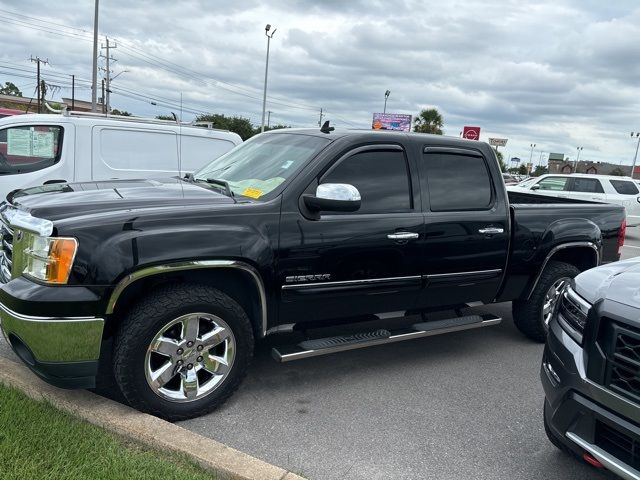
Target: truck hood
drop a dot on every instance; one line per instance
(618, 281)
(64, 200)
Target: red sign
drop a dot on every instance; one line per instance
(471, 133)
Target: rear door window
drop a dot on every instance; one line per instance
(29, 148)
(624, 187)
(456, 181)
(587, 185)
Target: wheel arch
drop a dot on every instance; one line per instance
(238, 279)
(582, 255)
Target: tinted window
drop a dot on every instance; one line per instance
(624, 188)
(29, 148)
(457, 182)
(382, 178)
(553, 183)
(588, 185)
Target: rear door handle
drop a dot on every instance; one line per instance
(491, 230)
(403, 236)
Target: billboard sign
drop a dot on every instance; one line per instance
(391, 121)
(471, 133)
(498, 142)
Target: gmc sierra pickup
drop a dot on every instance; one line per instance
(292, 230)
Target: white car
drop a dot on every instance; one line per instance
(39, 149)
(600, 188)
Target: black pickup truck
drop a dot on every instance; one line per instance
(295, 230)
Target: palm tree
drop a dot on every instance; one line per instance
(429, 121)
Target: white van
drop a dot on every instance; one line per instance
(39, 149)
(600, 188)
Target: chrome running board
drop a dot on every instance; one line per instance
(326, 346)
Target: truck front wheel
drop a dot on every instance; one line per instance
(182, 350)
(532, 316)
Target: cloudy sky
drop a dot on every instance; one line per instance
(559, 73)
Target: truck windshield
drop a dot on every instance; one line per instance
(261, 164)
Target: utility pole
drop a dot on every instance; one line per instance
(38, 61)
(94, 77)
(106, 101)
(533, 145)
(635, 158)
(103, 95)
(73, 92)
(320, 121)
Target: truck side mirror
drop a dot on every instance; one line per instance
(535, 187)
(333, 197)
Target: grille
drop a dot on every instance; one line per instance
(618, 444)
(6, 250)
(624, 364)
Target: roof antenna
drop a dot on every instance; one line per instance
(326, 128)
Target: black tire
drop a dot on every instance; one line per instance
(147, 317)
(527, 314)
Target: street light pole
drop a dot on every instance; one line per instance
(635, 158)
(386, 95)
(578, 158)
(266, 72)
(533, 145)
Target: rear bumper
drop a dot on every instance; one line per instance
(64, 351)
(583, 415)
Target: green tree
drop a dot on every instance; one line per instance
(240, 125)
(165, 117)
(540, 170)
(429, 120)
(523, 170)
(618, 172)
(122, 113)
(500, 157)
(272, 127)
(10, 89)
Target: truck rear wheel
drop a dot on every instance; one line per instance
(181, 351)
(532, 316)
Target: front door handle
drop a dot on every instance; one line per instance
(491, 230)
(403, 236)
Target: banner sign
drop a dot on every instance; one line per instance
(471, 133)
(391, 121)
(498, 142)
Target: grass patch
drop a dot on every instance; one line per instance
(40, 442)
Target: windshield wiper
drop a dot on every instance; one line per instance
(222, 183)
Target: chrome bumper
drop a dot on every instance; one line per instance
(54, 339)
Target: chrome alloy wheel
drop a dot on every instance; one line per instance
(190, 357)
(551, 299)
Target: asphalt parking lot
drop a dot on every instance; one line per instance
(463, 405)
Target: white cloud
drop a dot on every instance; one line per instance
(560, 74)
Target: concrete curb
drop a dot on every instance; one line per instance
(216, 457)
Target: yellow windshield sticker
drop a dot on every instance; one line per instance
(252, 192)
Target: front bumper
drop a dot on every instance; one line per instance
(63, 350)
(584, 415)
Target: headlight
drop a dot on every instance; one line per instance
(572, 314)
(48, 259)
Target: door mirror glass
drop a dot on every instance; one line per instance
(334, 197)
(535, 187)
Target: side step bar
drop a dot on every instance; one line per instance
(326, 346)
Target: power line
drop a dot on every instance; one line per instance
(157, 61)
